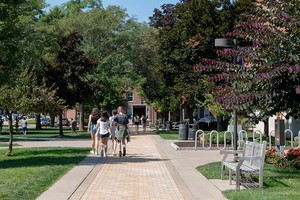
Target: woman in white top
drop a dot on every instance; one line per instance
(136, 123)
(104, 124)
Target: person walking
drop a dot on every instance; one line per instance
(1, 124)
(123, 131)
(92, 129)
(24, 126)
(136, 123)
(113, 126)
(144, 122)
(104, 124)
(73, 125)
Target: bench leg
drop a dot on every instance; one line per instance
(261, 179)
(223, 172)
(230, 176)
(237, 179)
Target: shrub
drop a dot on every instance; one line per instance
(214, 138)
(291, 159)
(271, 156)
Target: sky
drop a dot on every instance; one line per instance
(141, 9)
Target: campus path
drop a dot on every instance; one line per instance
(152, 169)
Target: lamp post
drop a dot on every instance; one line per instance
(228, 42)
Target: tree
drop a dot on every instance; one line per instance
(180, 29)
(66, 72)
(114, 41)
(270, 85)
(25, 96)
(19, 36)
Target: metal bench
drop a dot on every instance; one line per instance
(251, 162)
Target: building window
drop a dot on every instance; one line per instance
(129, 113)
(206, 113)
(130, 96)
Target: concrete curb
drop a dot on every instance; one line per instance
(174, 146)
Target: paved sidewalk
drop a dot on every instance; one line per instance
(152, 169)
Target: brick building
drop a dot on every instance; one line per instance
(138, 105)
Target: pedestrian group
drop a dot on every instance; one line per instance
(102, 126)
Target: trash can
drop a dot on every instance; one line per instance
(183, 131)
(169, 126)
(192, 131)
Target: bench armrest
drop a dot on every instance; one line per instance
(231, 152)
(247, 158)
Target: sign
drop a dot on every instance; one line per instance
(168, 103)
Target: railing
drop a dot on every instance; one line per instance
(240, 135)
(260, 135)
(241, 138)
(292, 138)
(225, 143)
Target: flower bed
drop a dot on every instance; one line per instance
(291, 159)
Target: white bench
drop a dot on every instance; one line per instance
(251, 162)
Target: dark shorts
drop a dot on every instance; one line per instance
(24, 129)
(103, 136)
(136, 123)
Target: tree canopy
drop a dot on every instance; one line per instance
(271, 83)
(181, 28)
(118, 44)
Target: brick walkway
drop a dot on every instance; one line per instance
(141, 174)
(152, 169)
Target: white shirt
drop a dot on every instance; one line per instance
(136, 118)
(104, 127)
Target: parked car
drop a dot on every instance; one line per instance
(45, 121)
(4, 118)
(65, 122)
(205, 120)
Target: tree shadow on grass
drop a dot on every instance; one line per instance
(38, 161)
(43, 156)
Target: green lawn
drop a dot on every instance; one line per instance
(50, 132)
(32, 170)
(279, 183)
(32, 121)
(168, 135)
(6, 144)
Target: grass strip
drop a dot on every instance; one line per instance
(279, 183)
(6, 145)
(168, 135)
(32, 170)
(50, 132)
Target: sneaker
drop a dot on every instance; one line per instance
(113, 153)
(92, 152)
(97, 153)
(102, 153)
(120, 153)
(124, 151)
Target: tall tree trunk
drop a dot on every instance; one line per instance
(266, 128)
(38, 122)
(190, 114)
(220, 123)
(81, 117)
(180, 112)
(61, 133)
(52, 117)
(10, 132)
